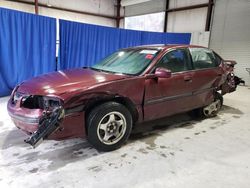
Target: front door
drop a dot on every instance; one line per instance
(167, 96)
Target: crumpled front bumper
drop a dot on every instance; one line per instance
(25, 119)
(55, 123)
(49, 123)
(38, 123)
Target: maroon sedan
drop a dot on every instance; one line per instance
(131, 86)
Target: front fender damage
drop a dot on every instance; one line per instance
(49, 123)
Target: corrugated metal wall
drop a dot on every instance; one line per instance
(181, 21)
(230, 34)
(145, 8)
(99, 7)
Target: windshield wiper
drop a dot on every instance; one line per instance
(102, 70)
(99, 70)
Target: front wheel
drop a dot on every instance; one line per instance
(109, 126)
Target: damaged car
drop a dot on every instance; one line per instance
(103, 102)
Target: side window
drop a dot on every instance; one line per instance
(176, 60)
(218, 59)
(202, 58)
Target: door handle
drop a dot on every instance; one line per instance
(188, 78)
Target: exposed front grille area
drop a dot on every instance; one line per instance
(32, 102)
(16, 97)
(28, 101)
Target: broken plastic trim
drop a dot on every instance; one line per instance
(49, 123)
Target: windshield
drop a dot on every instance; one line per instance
(130, 61)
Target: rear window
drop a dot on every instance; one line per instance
(202, 58)
(218, 58)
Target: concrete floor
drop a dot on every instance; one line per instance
(174, 152)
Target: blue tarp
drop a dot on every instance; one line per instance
(27, 47)
(86, 44)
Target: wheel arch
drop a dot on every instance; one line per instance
(114, 98)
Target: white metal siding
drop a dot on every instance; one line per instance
(100, 6)
(230, 34)
(184, 3)
(200, 38)
(187, 20)
(145, 8)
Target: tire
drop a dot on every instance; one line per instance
(196, 113)
(109, 126)
(212, 109)
(201, 112)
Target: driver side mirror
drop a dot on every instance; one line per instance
(163, 73)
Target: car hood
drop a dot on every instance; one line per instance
(57, 83)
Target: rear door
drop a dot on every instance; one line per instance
(167, 96)
(206, 75)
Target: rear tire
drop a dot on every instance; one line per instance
(109, 126)
(212, 109)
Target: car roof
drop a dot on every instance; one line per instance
(164, 46)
